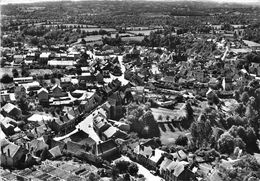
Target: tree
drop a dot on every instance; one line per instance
(25, 72)
(122, 166)
(248, 162)
(34, 41)
(240, 143)
(241, 132)
(251, 140)
(182, 140)
(226, 143)
(244, 97)
(6, 79)
(93, 177)
(22, 103)
(15, 73)
(133, 169)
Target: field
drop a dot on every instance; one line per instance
(92, 38)
(97, 29)
(133, 38)
(143, 32)
(169, 133)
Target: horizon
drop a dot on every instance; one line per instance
(248, 2)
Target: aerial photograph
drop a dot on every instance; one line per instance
(130, 90)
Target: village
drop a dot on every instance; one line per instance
(84, 111)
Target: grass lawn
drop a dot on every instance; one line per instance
(169, 133)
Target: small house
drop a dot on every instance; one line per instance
(38, 148)
(11, 154)
(57, 91)
(11, 110)
(43, 95)
(107, 149)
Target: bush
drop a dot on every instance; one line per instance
(226, 143)
(122, 166)
(6, 79)
(181, 140)
(133, 169)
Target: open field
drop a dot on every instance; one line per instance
(133, 38)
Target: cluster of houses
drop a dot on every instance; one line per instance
(84, 122)
(170, 166)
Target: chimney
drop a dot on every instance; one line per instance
(9, 154)
(2, 150)
(100, 147)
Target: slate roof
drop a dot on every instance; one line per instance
(6, 145)
(55, 152)
(106, 146)
(9, 107)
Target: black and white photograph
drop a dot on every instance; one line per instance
(130, 90)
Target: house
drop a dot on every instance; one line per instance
(11, 155)
(61, 62)
(62, 124)
(121, 125)
(107, 149)
(11, 110)
(55, 152)
(38, 148)
(19, 92)
(116, 101)
(180, 155)
(89, 101)
(142, 154)
(7, 97)
(156, 158)
(18, 58)
(163, 166)
(227, 84)
(22, 80)
(45, 56)
(65, 82)
(87, 80)
(8, 125)
(2, 134)
(176, 171)
(113, 133)
(56, 91)
(43, 95)
(82, 140)
(41, 130)
(100, 124)
(31, 56)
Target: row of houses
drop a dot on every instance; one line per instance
(170, 166)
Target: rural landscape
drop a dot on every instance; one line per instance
(130, 90)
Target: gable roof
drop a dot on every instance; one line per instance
(110, 132)
(38, 145)
(40, 117)
(106, 146)
(177, 167)
(42, 90)
(143, 150)
(157, 155)
(165, 163)
(56, 86)
(55, 152)
(6, 145)
(9, 107)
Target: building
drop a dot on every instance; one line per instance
(11, 110)
(107, 150)
(43, 95)
(38, 148)
(12, 155)
(63, 124)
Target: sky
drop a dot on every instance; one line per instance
(226, 1)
